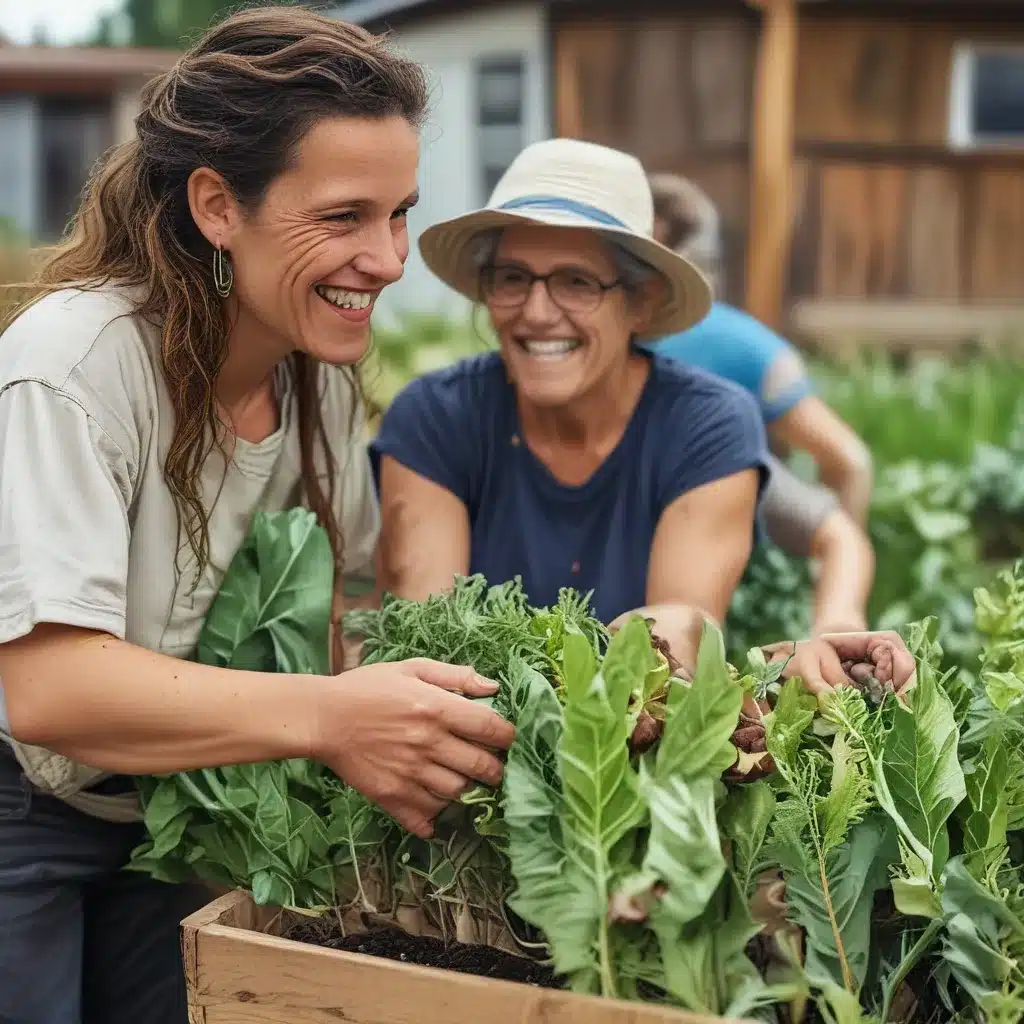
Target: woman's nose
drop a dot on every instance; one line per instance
(385, 256)
(539, 307)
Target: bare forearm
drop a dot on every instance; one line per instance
(846, 570)
(121, 708)
(679, 625)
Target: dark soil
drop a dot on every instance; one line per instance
(394, 944)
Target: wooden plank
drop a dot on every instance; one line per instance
(853, 79)
(862, 238)
(772, 161)
(888, 187)
(249, 976)
(912, 155)
(659, 94)
(843, 255)
(568, 94)
(597, 49)
(845, 325)
(803, 271)
(931, 72)
(722, 58)
(997, 242)
(934, 229)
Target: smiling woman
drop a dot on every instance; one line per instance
(186, 362)
(572, 458)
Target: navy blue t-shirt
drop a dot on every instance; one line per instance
(459, 428)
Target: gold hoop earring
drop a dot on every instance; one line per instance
(223, 273)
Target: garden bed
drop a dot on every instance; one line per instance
(239, 968)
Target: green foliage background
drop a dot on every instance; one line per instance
(171, 24)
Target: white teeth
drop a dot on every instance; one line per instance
(344, 298)
(557, 348)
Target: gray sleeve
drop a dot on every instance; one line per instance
(64, 498)
(794, 510)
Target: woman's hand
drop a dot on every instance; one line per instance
(840, 659)
(406, 737)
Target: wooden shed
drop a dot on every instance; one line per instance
(867, 156)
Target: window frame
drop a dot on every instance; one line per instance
(501, 63)
(961, 133)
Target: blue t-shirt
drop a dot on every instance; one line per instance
(731, 344)
(459, 428)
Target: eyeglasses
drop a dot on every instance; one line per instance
(572, 290)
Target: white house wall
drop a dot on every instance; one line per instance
(450, 172)
(19, 170)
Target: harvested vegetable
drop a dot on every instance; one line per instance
(724, 843)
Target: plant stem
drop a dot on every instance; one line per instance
(907, 964)
(844, 966)
(608, 987)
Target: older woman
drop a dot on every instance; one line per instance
(184, 365)
(571, 457)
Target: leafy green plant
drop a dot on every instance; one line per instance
(890, 824)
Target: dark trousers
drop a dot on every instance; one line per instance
(82, 942)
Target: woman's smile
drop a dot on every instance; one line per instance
(354, 305)
(550, 350)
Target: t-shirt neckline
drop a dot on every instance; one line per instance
(608, 466)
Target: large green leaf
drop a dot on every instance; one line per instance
(272, 612)
(702, 716)
(601, 802)
(532, 805)
(984, 940)
(706, 968)
(684, 861)
(837, 896)
(918, 778)
(744, 820)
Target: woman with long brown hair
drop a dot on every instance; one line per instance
(185, 362)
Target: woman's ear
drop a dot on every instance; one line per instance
(646, 300)
(213, 206)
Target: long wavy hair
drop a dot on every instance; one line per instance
(238, 101)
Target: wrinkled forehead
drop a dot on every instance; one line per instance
(542, 247)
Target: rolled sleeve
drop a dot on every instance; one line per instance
(785, 382)
(793, 510)
(64, 527)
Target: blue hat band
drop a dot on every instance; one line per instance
(560, 205)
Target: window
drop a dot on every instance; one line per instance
(74, 132)
(499, 116)
(987, 96)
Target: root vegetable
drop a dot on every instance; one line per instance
(661, 646)
(646, 733)
(871, 679)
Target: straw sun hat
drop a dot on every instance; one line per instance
(569, 183)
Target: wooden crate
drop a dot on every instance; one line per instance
(240, 973)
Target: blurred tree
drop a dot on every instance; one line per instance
(171, 23)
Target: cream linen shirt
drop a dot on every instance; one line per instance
(88, 528)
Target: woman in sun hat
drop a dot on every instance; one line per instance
(570, 457)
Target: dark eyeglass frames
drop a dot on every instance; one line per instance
(572, 290)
